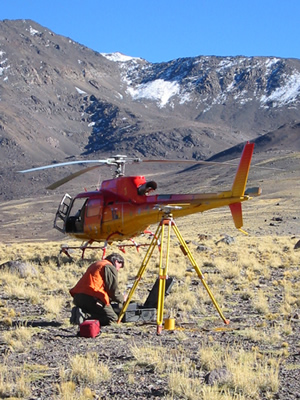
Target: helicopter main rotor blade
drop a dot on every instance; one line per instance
(205, 163)
(68, 178)
(117, 161)
(65, 164)
(188, 162)
(113, 161)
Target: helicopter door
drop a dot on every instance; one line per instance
(62, 212)
(76, 216)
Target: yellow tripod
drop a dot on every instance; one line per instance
(158, 238)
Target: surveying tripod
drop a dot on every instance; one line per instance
(158, 239)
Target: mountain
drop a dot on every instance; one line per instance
(60, 100)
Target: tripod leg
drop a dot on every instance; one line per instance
(163, 274)
(141, 271)
(197, 269)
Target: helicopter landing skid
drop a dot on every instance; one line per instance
(68, 249)
(88, 246)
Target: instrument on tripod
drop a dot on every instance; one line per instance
(162, 234)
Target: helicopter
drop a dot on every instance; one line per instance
(125, 206)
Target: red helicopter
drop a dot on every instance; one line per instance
(124, 207)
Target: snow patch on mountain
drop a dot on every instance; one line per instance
(229, 62)
(119, 57)
(285, 94)
(271, 61)
(80, 91)
(159, 90)
(3, 67)
(33, 31)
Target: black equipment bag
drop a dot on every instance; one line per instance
(147, 311)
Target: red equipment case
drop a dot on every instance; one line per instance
(89, 328)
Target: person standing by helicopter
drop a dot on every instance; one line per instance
(96, 289)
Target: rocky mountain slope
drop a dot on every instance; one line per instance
(60, 99)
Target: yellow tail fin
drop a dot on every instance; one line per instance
(239, 184)
(237, 215)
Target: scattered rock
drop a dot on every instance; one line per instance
(23, 269)
(201, 247)
(217, 376)
(203, 236)
(227, 239)
(297, 245)
(277, 219)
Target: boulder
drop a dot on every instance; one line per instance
(21, 268)
(217, 376)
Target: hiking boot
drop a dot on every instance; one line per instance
(77, 316)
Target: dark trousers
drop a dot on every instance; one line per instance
(104, 313)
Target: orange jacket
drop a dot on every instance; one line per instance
(94, 282)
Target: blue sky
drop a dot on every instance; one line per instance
(163, 30)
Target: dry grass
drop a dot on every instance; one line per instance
(18, 338)
(78, 373)
(252, 271)
(67, 391)
(260, 302)
(86, 368)
(250, 373)
(13, 381)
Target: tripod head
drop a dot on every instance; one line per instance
(166, 209)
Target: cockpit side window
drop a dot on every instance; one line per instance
(77, 207)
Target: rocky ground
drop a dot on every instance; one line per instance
(54, 342)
